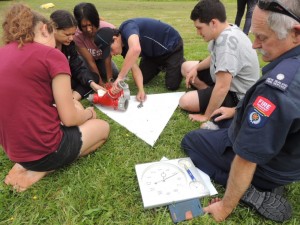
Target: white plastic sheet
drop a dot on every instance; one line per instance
(146, 122)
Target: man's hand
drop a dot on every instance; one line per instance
(217, 209)
(223, 113)
(115, 89)
(240, 177)
(190, 77)
(141, 96)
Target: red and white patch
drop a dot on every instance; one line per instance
(263, 105)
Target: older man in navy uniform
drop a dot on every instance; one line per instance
(260, 151)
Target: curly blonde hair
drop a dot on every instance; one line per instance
(19, 24)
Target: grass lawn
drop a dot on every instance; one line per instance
(102, 188)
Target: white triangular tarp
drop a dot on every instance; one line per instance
(148, 121)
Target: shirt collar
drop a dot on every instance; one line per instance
(289, 54)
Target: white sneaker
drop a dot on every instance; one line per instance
(210, 126)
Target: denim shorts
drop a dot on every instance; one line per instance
(67, 152)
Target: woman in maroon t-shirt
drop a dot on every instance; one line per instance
(89, 22)
(49, 129)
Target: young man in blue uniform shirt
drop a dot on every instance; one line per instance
(260, 151)
(158, 44)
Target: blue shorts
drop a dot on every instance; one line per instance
(211, 151)
(67, 152)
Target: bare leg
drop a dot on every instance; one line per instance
(21, 179)
(76, 95)
(94, 134)
(190, 101)
(77, 104)
(186, 67)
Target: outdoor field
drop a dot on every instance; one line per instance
(102, 188)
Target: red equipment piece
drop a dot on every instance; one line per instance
(118, 101)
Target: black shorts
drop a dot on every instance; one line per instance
(204, 75)
(231, 99)
(67, 152)
(169, 63)
(204, 95)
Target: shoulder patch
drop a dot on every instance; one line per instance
(264, 105)
(255, 118)
(260, 111)
(282, 75)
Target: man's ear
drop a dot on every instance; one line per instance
(117, 39)
(296, 33)
(297, 29)
(214, 22)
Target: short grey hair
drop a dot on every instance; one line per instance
(282, 24)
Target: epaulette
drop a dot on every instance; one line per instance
(282, 75)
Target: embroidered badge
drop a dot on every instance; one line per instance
(277, 83)
(256, 119)
(283, 74)
(260, 111)
(263, 105)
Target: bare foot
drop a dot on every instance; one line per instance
(197, 117)
(214, 201)
(21, 178)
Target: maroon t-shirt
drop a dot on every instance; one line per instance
(83, 41)
(29, 123)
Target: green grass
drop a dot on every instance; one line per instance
(102, 188)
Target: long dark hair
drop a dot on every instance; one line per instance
(63, 19)
(86, 11)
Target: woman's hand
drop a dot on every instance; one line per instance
(91, 113)
(96, 87)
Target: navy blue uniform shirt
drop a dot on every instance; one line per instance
(266, 127)
(156, 38)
